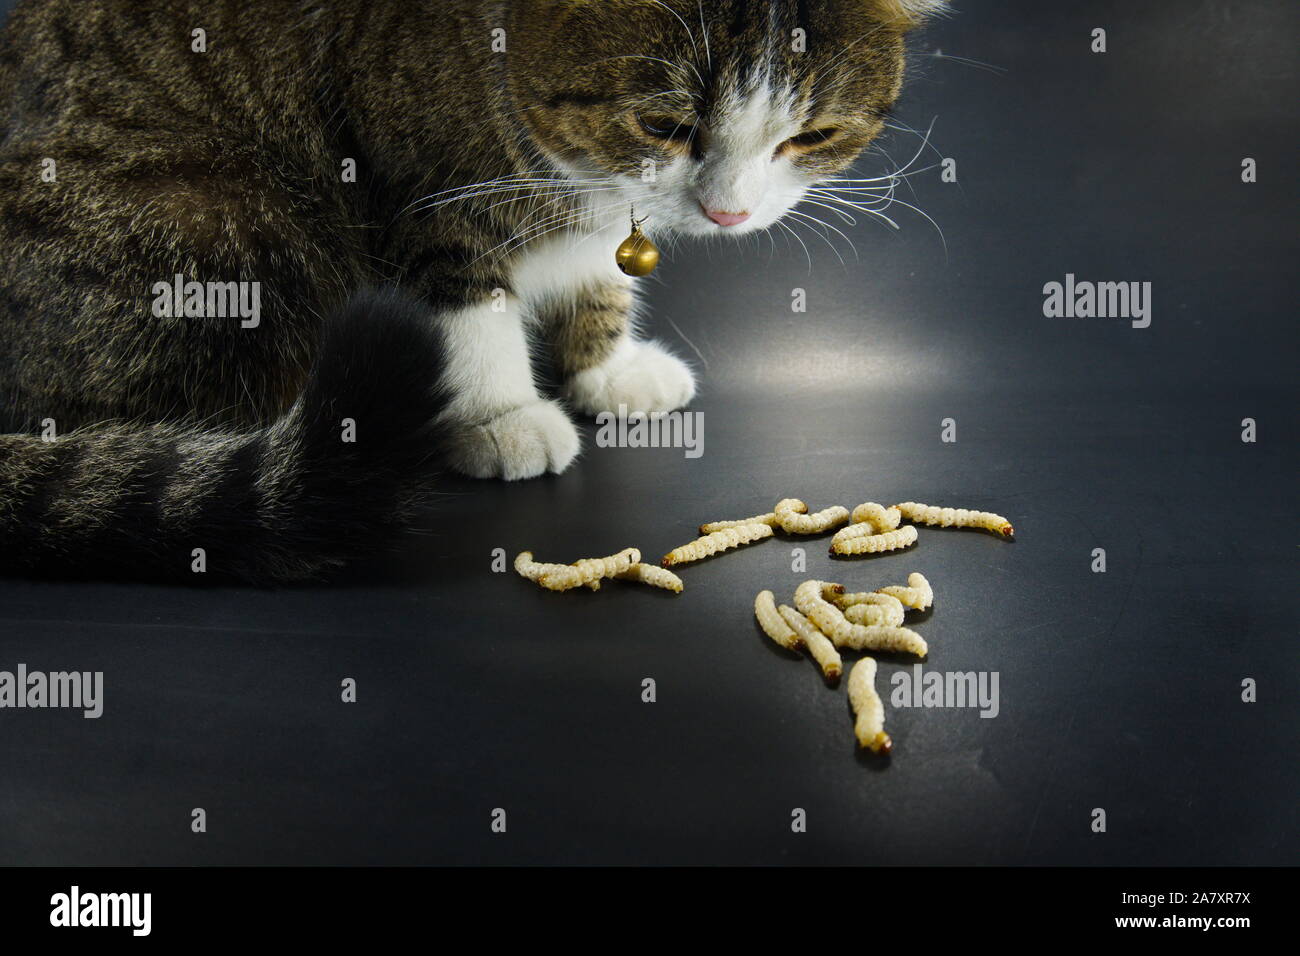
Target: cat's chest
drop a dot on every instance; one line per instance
(563, 265)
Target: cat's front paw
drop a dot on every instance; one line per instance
(643, 376)
(521, 443)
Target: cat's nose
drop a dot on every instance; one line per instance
(726, 218)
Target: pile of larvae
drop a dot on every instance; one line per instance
(825, 617)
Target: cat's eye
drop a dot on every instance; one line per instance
(809, 140)
(667, 128)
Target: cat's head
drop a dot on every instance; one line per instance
(711, 116)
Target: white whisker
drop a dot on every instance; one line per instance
(825, 238)
(788, 228)
(978, 64)
(844, 217)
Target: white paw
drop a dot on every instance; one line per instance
(521, 443)
(640, 375)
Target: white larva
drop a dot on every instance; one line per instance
(864, 530)
(832, 592)
(712, 526)
(918, 594)
(818, 645)
(872, 615)
(652, 575)
(773, 625)
(890, 607)
(535, 570)
(711, 544)
(568, 576)
(955, 518)
(864, 607)
(876, 516)
(903, 537)
(866, 637)
(791, 517)
(831, 621)
(868, 708)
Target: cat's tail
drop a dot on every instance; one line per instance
(336, 477)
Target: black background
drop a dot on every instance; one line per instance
(1118, 690)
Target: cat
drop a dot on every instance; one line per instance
(412, 192)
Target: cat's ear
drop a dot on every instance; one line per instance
(907, 14)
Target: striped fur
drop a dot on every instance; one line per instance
(286, 502)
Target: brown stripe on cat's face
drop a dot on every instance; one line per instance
(707, 115)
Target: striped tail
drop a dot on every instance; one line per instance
(288, 502)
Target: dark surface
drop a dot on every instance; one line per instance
(1118, 690)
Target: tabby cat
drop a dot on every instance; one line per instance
(269, 265)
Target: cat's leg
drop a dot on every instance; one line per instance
(504, 428)
(603, 362)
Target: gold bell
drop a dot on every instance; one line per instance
(637, 255)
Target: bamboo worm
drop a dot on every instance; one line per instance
(712, 526)
(868, 708)
(830, 621)
(773, 625)
(652, 575)
(718, 541)
(536, 570)
(792, 519)
(818, 645)
(917, 595)
(903, 537)
(587, 570)
(876, 516)
(892, 605)
(955, 518)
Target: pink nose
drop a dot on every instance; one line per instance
(726, 218)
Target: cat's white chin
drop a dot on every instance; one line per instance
(522, 443)
(639, 376)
